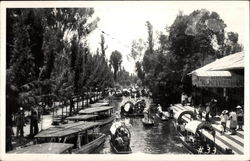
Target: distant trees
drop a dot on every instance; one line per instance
(124, 78)
(115, 61)
(48, 56)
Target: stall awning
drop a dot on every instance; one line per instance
(219, 73)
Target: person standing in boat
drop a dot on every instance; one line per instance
(207, 113)
(200, 111)
(159, 109)
(146, 113)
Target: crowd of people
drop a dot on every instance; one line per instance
(21, 121)
(235, 117)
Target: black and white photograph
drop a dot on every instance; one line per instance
(125, 80)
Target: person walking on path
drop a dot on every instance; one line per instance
(240, 118)
(33, 123)
(223, 119)
(233, 122)
(20, 122)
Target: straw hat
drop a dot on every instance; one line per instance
(238, 107)
(224, 111)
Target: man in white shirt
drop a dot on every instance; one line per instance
(233, 122)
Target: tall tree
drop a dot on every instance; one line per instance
(147, 62)
(115, 61)
(103, 45)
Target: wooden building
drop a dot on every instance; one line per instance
(222, 79)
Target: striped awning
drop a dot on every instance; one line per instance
(220, 73)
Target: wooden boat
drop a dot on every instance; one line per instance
(81, 134)
(192, 136)
(128, 151)
(120, 138)
(148, 122)
(105, 116)
(45, 148)
(131, 110)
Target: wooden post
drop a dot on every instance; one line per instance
(53, 114)
(77, 104)
(62, 109)
(87, 102)
(82, 101)
(86, 137)
(78, 140)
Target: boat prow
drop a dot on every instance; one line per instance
(128, 151)
(163, 117)
(147, 122)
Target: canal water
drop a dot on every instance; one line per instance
(159, 139)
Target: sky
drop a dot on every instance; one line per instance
(125, 22)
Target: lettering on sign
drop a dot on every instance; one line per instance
(230, 82)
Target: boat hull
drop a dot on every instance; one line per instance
(129, 151)
(105, 124)
(189, 147)
(133, 115)
(91, 146)
(149, 122)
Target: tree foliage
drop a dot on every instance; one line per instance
(48, 56)
(191, 41)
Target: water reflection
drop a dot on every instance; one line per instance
(159, 139)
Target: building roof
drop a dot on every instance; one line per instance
(234, 61)
(222, 66)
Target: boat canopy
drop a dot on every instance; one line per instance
(114, 127)
(179, 115)
(45, 148)
(95, 109)
(66, 130)
(81, 117)
(195, 125)
(128, 105)
(192, 126)
(119, 126)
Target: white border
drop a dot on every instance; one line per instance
(181, 4)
